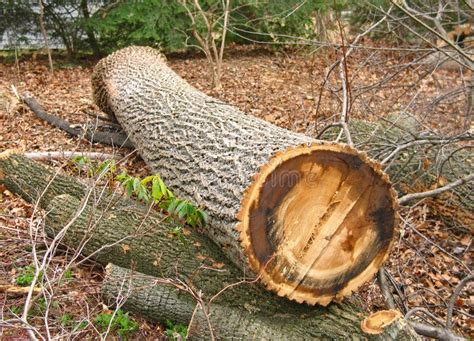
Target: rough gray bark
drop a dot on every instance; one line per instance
(420, 165)
(338, 322)
(177, 128)
(226, 161)
(142, 240)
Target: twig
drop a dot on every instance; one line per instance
(415, 196)
(424, 311)
(115, 139)
(41, 156)
(445, 39)
(436, 33)
(452, 301)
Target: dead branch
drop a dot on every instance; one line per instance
(435, 332)
(454, 297)
(115, 139)
(415, 196)
(16, 290)
(439, 35)
(62, 155)
(443, 51)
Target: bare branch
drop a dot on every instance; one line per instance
(115, 139)
(415, 196)
(454, 297)
(41, 156)
(445, 39)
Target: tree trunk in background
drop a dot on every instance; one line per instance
(90, 32)
(313, 220)
(45, 35)
(129, 235)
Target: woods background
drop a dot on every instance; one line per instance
(392, 78)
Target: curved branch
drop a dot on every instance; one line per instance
(413, 196)
(453, 298)
(114, 139)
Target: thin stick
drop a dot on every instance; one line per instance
(41, 156)
(415, 196)
(45, 35)
(452, 301)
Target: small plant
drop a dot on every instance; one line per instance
(120, 322)
(80, 326)
(26, 276)
(106, 168)
(66, 320)
(173, 329)
(68, 274)
(81, 161)
(153, 189)
(38, 308)
(16, 310)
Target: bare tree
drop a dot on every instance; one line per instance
(209, 39)
(45, 35)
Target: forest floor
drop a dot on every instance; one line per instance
(280, 87)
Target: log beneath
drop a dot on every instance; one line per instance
(419, 167)
(142, 241)
(314, 221)
(154, 301)
(34, 182)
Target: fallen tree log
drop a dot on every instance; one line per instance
(313, 221)
(154, 300)
(34, 182)
(128, 234)
(420, 166)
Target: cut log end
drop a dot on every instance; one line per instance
(375, 323)
(317, 222)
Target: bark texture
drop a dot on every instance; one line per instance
(34, 182)
(341, 322)
(418, 167)
(237, 167)
(119, 230)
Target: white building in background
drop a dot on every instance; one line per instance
(10, 40)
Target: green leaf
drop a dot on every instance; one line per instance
(163, 187)
(122, 177)
(172, 205)
(129, 186)
(136, 184)
(181, 206)
(156, 192)
(148, 179)
(203, 217)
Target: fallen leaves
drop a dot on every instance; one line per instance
(285, 90)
